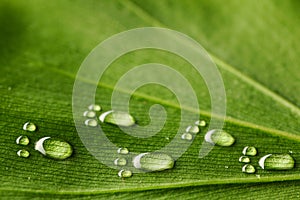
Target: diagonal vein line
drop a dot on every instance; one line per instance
(254, 83)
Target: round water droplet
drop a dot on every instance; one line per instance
(23, 153)
(192, 129)
(94, 107)
(244, 159)
(54, 148)
(187, 136)
(29, 126)
(124, 173)
(22, 140)
(120, 162)
(153, 161)
(277, 162)
(249, 151)
(89, 114)
(123, 151)
(91, 122)
(219, 137)
(200, 123)
(117, 118)
(249, 169)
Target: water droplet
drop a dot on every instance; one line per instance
(249, 169)
(124, 173)
(258, 176)
(219, 137)
(29, 126)
(153, 161)
(23, 153)
(54, 148)
(91, 122)
(277, 162)
(9, 88)
(226, 167)
(192, 129)
(249, 151)
(201, 123)
(89, 114)
(117, 118)
(94, 107)
(120, 162)
(244, 159)
(187, 136)
(22, 140)
(123, 151)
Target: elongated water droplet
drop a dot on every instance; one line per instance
(29, 126)
(120, 162)
(244, 159)
(192, 129)
(94, 107)
(277, 162)
(23, 153)
(91, 122)
(54, 148)
(123, 151)
(249, 151)
(117, 118)
(124, 173)
(249, 169)
(200, 123)
(153, 161)
(187, 136)
(89, 114)
(219, 137)
(22, 140)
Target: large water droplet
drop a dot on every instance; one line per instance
(23, 153)
(91, 122)
(124, 173)
(89, 114)
(201, 123)
(54, 148)
(187, 136)
(123, 150)
(219, 137)
(22, 140)
(153, 161)
(244, 159)
(192, 129)
(117, 118)
(249, 151)
(249, 169)
(29, 126)
(277, 162)
(94, 107)
(120, 162)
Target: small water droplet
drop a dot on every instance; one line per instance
(9, 88)
(89, 114)
(54, 148)
(258, 176)
(226, 167)
(153, 161)
(120, 162)
(277, 162)
(192, 129)
(187, 136)
(249, 169)
(219, 137)
(244, 159)
(167, 138)
(124, 173)
(117, 118)
(91, 122)
(200, 123)
(29, 126)
(94, 107)
(123, 151)
(249, 151)
(23, 153)
(22, 140)
(291, 152)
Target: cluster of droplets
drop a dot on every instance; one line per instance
(52, 148)
(91, 115)
(247, 152)
(192, 130)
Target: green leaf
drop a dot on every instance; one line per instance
(254, 44)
